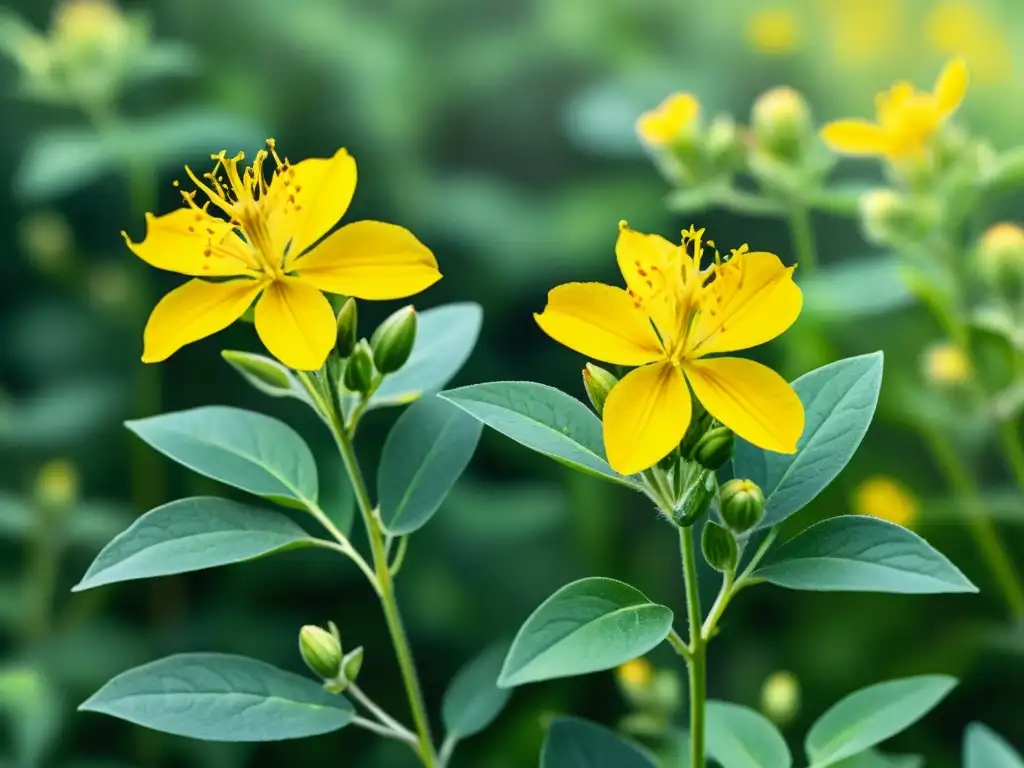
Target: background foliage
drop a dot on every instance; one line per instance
(502, 134)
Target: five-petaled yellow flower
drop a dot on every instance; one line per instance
(907, 119)
(668, 322)
(270, 243)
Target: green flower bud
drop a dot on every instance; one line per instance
(57, 484)
(268, 376)
(699, 423)
(697, 496)
(999, 257)
(741, 504)
(321, 650)
(723, 144)
(781, 121)
(348, 328)
(359, 371)
(889, 218)
(351, 664)
(714, 449)
(598, 383)
(780, 697)
(393, 340)
(719, 547)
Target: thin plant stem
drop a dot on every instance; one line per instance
(697, 668)
(359, 695)
(802, 232)
(382, 730)
(979, 525)
(344, 547)
(396, 563)
(1009, 437)
(679, 645)
(447, 748)
(718, 607)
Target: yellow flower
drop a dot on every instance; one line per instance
(946, 364)
(774, 31)
(780, 696)
(269, 242)
(907, 119)
(884, 497)
(861, 32)
(635, 674)
(669, 121)
(672, 317)
(963, 29)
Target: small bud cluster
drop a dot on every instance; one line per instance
(388, 349)
(322, 652)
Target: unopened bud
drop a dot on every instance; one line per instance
(393, 340)
(697, 497)
(741, 504)
(714, 449)
(268, 376)
(57, 484)
(723, 144)
(48, 242)
(348, 328)
(321, 650)
(719, 547)
(1000, 256)
(352, 664)
(598, 384)
(945, 364)
(780, 697)
(359, 371)
(781, 121)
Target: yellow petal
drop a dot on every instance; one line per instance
(951, 87)
(601, 322)
(296, 323)
(194, 311)
(889, 104)
(855, 137)
(669, 121)
(749, 398)
(752, 300)
(370, 260)
(193, 243)
(645, 417)
(310, 197)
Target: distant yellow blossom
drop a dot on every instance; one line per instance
(780, 697)
(637, 673)
(862, 32)
(57, 483)
(774, 31)
(906, 119)
(883, 496)
(670, 121)
(268, 245)
(960, 28)
(671, 318)
(945, 364)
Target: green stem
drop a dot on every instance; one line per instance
(981, 527)
(803, 238)
(679, 645)
(386, 586)
(697, 668)
(1009, 436)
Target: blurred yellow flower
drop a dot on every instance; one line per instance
(906, 119)
(946, 364)
(774, 31)
(57, 483)
(863, 31)
(670, 121)
(269, 245)
(960, 28)
(780, 697)
(672, 317)
(634, 674)
(883, 496)
(95, 22)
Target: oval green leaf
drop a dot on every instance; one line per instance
(266, 374)
(587, 626)
(739, 737)
(190, 535)
(473, 699)
(543, 419)
(445, 337)
(857, 553)
(872, 715)
(247, 450)
(872, 758)
(574, 743)
(984, 748)
(839, 401)
(425, 453)
(218, 697)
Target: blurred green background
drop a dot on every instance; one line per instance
(501, 133)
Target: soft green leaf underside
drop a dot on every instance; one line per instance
(574, 743)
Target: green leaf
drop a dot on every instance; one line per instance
(739, 737)
(190, 535)
(543, 419)
(867, 285)
(839, 400)
(984, 748)
(473, 699)
(858, 553)
(425, 453)
(266, 374)
(574, 743)
(217, 697)
(587, 626)
(33, 708)
(445, 337)
(872, 758)
(872, 715)
(248, 450)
